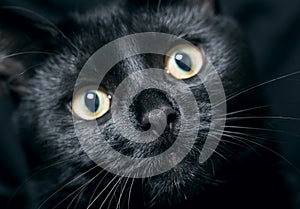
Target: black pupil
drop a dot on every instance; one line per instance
(183, 61)
(92, 101)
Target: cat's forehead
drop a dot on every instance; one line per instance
(97, 30)
(92, 33)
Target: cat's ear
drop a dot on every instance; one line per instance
(24, 44)
(210, 7)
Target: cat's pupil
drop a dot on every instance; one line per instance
(183, 61)
(92, 101)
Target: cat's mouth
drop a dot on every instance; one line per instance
(161, 143)
(159, 131)
(176, 184)
(156, 121)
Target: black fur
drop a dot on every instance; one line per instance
(240, 174)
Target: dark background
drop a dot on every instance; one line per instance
(272, 28)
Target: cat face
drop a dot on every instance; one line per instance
(46, 111)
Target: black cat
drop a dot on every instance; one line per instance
(42, 62)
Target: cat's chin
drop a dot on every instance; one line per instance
(175, 186)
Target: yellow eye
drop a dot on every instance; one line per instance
(184, 61)
(89, 103)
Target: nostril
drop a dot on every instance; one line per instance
(145, 124)
(153, 109)
(171, 117)
(155, 117)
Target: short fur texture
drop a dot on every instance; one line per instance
(240, 174)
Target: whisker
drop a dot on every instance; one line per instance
(115, 186)
(222, 156)
(47, 21)
(219, 154)
(274, 152)
(257, 86)
(79, 198)
(80, 188)
(75, 197)
(90, 205)
(122, 191)
(114, 195)
(259, 117)
(97, 187)
(25, 53)
(158, 5)
(34, 174)
(246, 110)
(239, 139)
(264, 138)
(14, 77)
(43, 203)
(130, 191)
(262, 129)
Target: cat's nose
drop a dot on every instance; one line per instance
(151, 108)
(158, 118)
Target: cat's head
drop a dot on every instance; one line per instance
(45, 77)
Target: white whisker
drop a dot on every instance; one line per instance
(130, 191)
(116, 184)
(122, 191)
(38, 172)
(237, 138)
(66, 185)
(90, 205)
(246, 110)
(272, 151)
(46, 21)
(80, 188)
(260, 117)
(262, 129)
(95, 190)
(257, 86)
